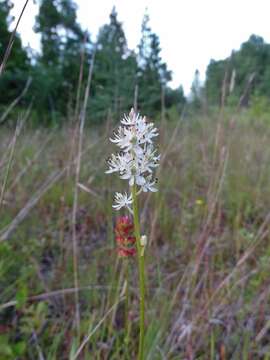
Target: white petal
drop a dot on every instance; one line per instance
(140, 180)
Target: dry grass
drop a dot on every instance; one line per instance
(207, 263)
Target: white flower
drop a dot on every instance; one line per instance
(149, 185)
(134, 175)
(119, 163)
(137, 159)
(123, 137)
(132, 119)
(150, 159)
(122, 200)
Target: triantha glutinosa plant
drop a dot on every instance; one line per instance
(135, 162)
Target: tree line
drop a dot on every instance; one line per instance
(59, 71)
(242, 77)
(121, 76)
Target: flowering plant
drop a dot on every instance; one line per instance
(135, 162)
(137, 158)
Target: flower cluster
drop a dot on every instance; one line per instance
(137, 157)
(124, 231)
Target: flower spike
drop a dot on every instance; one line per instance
(137, 157)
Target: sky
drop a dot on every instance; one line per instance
(191, 32)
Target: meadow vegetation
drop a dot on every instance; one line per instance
(207, 257)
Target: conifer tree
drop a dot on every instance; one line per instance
(196, 90)
(248, 68)
(115, 70)
(17, 67)
(152, 73)
(59, 64)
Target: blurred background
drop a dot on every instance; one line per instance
(173, 53)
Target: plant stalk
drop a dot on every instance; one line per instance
(127, 322)
(141, 270)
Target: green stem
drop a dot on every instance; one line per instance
(141, 269)
(126, 302)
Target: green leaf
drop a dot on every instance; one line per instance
(21, 296)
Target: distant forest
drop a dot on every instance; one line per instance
(51, 82)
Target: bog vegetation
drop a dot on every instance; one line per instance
(62, 284)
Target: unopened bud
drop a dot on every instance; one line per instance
(143, 240)
(143, 243)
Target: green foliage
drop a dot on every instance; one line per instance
(245, 73)
(47, 21)
(66, 51)
(19, 60)
(259, 106)
(175, 98)
(10, 351)
(152, 73)
(228, 241)
(196, 91)
(214, 79)
(115, 69)
(17, 68)
(57, 71)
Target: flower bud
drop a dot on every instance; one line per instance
(143, 243)
(143, 240)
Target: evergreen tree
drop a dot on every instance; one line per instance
(118, 71)
(196, 91)
(214, 77)
(247, 70)
(59, 64)
(152, 73)
(5, 7)
(115, 69)
(48, 21)
(17, 67)
(175, 98)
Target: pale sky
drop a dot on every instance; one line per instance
(191, 32)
